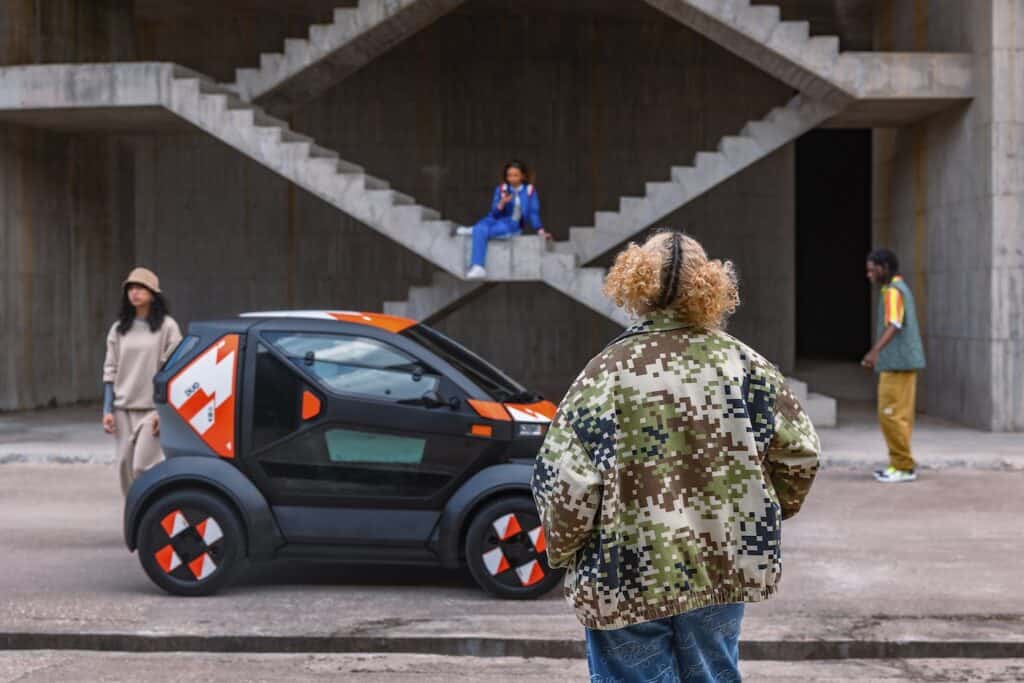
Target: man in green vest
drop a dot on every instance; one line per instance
(896, 356)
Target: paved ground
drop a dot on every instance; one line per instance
(47, 666)
(937, 560)
(73, 435)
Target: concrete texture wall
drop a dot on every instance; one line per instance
(947, 198)
(420, 116)
(66, 240)
(57, 31)
(598, 101)
(66, 235)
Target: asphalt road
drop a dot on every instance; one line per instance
(939, 559)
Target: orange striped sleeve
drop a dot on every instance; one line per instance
(893, 307)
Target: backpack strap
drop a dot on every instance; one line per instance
(529, 190)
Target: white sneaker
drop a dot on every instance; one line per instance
(476, 273)
(464, 230)
(891, 475)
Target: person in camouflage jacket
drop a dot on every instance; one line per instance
(670, 464)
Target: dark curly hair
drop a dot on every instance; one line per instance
(158, 310)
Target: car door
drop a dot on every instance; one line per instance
(343, 441)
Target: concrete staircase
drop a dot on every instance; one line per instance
(757, 140)
(872, 89)
(431, 301)
(220, 112)
(357, 35)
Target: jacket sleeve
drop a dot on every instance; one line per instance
(111, 359)
(495, 212)
(792, 455)
(533, 215)
(567, 490)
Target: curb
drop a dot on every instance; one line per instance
(751, 650)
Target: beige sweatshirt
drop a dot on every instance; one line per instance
(133, 359)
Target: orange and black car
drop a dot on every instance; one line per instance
(344, 436)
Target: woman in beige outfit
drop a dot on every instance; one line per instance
(137, 345)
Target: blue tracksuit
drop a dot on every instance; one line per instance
(500, 223)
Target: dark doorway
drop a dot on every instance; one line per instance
(833, 236)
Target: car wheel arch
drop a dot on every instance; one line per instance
(177, 485)
(486, 486)
(223, 479)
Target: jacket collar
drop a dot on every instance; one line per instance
(655, 323)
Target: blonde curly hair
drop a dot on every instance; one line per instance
(706, 291)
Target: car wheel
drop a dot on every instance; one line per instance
(190, 543)
(505, 550)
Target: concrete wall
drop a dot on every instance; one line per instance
(573, 109)
(597, 101)
(66, 235)
(947, 199)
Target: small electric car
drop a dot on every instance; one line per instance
(337, 435)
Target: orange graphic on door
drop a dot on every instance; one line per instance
(203, 393)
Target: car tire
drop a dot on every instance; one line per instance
(505, 550)
(191, 543)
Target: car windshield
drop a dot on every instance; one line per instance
(500, 386)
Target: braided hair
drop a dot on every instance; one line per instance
(671, 271)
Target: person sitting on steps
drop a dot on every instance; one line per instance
(515, 203)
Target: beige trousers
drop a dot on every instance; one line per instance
(138, 448)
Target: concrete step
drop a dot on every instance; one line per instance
(426, 302)
(357, 35)
(757, 139)
(823, 410)
(814, 65)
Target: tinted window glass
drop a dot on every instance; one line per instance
(500, 386)
(356, 365)
(346, 462)
(276, 400)
(183, 347)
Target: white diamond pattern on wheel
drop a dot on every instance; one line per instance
(187, 544)
(514, 550)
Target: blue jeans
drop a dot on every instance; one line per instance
(487, 229)
(702, 645)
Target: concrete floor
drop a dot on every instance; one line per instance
(49, 666)
(73, 435)
(937, 560)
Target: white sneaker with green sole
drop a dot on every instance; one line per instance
(891, 475)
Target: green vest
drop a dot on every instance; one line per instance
(905, 351)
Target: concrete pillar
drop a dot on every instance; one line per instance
(948, 197)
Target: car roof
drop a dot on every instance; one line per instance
(382, 321)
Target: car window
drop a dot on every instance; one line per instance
(500, 386)
(276, 399)
(350, 364)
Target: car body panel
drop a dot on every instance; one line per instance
(212, 473)
(298, 492)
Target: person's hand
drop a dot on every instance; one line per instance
(506, 197)
(871, 359)
(156, 425)
(108, 423)
(544, 233)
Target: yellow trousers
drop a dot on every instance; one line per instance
(897, 393)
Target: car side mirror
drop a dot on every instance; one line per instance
(432, 399)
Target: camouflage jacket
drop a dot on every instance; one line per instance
(665, 474)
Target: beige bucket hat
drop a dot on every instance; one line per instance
(145, 277)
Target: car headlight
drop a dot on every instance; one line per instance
(533, 429)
